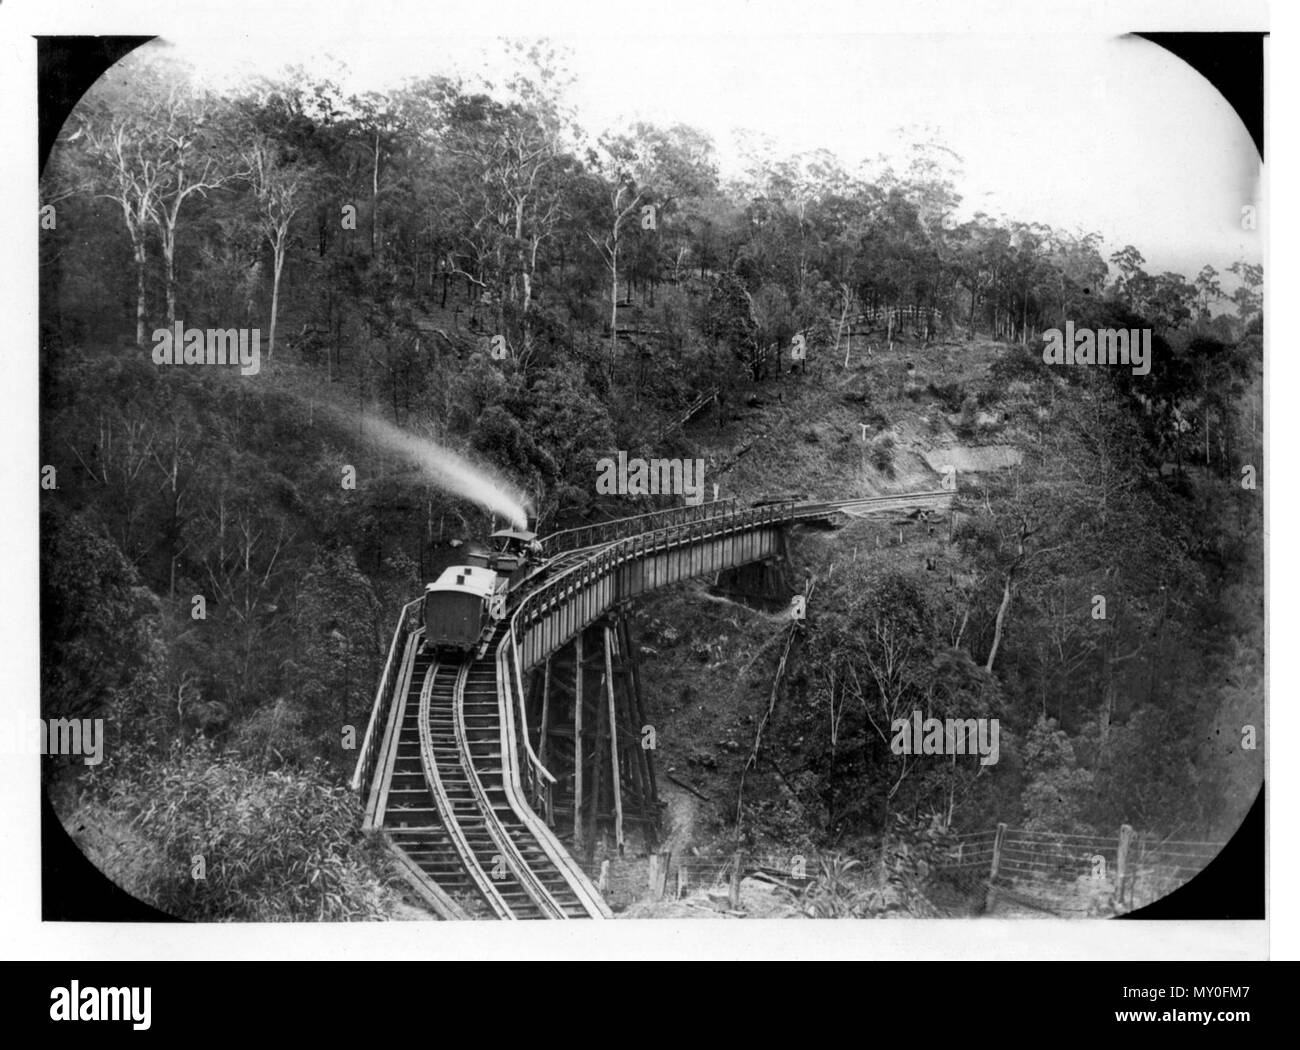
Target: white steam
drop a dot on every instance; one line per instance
(448, 470)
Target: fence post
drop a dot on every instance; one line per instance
(683, 881)
(603, 883)
(993, 868)
(737, 871)
(1121, 861)
(659, 863)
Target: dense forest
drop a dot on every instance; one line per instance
(223, 554)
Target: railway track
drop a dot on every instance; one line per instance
(451, 806)
(816, 509)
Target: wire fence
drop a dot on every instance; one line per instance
(1070, 873)
(1007, 870)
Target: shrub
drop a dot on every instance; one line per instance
(1017, 363)
(882, 453)
(878, 419)
(904, 867)
(893, 884)
(837, 891)
(969, 416)
(277, 845)
(951, 395)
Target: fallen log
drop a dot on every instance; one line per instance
(688, 787)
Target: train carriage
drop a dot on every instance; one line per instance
(459, 607)
(463, 603)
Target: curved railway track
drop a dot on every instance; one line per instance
(453, 812)
(815, 509)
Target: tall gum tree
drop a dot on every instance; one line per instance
(119, 148)
(193, 155)
(642, 168)
(280, 189)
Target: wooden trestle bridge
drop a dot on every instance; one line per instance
(477, 773)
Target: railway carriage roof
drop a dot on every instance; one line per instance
(465, 579)
(514, 534)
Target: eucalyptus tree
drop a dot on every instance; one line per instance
(636, 173)
(1248, 296)
(119, 151)
(280, 188)
(1208, 291)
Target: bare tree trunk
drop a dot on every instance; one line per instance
(844, 315)
(374, 198)
(998, 623)
(140, 259)
(275, 295)
(830, 802)
(529, 270)
(521, 260)
(169, 259)
(1205, 372)
(1108, 697)
(613, 306)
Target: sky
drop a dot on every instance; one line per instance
(1087, 132)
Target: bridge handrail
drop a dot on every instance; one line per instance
(364, 771)
(725, 517)
(582, 536)
(540, 779)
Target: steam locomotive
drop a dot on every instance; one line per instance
(466, 601)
